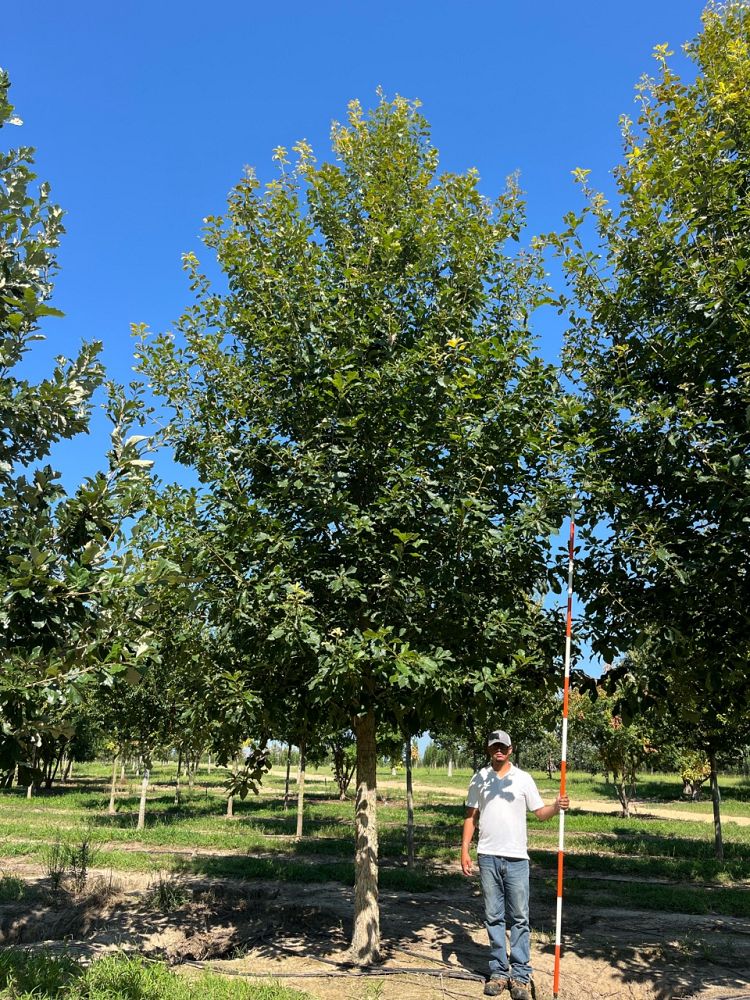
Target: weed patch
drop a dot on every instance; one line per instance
(12, 889)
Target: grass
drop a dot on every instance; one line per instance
(639, 895)
(259, 841)
(12, 889)
(29, 976)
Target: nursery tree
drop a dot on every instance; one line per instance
(660, 351)
(364, 405)
(622, 745)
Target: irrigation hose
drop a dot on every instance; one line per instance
(354, 973)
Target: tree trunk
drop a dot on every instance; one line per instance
(365, 947)
(230, 798)
(409, 808)
(288, 771)
(209, 763)
(142, 807)
(716, 802)
(68, 769)
(177, 779)
(450, 767)
(192, 767)
(622, 795)
(301, 789)
(29, 790)
(111, 807)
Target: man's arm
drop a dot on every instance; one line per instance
(470, 825)
(547, 812)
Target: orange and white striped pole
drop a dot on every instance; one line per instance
(564, 760)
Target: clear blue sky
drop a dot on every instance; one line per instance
(144, 114)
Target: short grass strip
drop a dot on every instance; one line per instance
(30, 976)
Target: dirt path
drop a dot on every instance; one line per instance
(297, 934)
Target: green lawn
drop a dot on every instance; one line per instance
(675, 858)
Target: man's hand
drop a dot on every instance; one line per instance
(547, 812)
(466, 866)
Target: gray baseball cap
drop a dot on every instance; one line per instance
(499, 736)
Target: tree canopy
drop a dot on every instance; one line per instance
(64, 568)
(660, 352)
(365, 408)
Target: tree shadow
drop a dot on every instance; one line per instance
(276, 907)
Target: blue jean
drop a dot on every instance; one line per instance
(505, 887)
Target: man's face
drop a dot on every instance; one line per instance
(499, 752)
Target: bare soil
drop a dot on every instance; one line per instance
(434, 944)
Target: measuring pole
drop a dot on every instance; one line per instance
(564, 760)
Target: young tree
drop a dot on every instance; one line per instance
(366, 407)
(341, 746)
(621, 745)
(660, 351)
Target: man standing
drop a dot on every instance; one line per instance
(499, 798)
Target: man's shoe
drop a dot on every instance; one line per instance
(494, 987)
(519, 990)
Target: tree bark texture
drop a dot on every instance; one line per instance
(142, 807)
(301, 788)
(365, 947)
(111, 806)
(716, 802)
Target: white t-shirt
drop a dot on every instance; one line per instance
(502, 804)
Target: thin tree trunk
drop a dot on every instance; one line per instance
(53, 771)
(142, 807)
(191, 769)
(230, 798)
(111, 807)
(450, 767)
(365, 946)
(177, 779)
(29, 790)
(122, 770)
(622, 795)
(288, 771)
(209, 763)
(301, 788)
(716, 802)
(409, 808)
